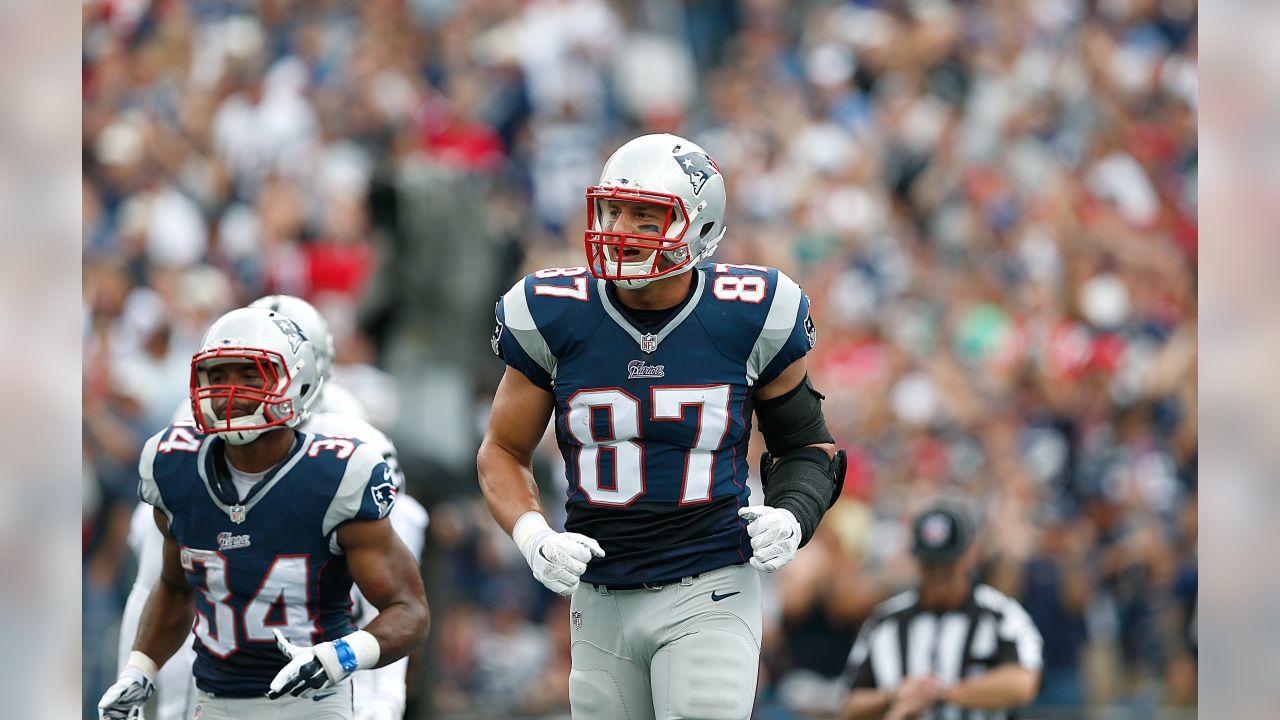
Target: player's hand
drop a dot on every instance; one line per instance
(559, 559)
(124, 700)
(775, 536)
(309, 668)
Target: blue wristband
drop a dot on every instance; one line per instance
(346, 656)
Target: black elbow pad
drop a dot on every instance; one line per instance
(804, 481)
(793, 420)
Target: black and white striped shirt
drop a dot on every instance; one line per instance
(901, 639)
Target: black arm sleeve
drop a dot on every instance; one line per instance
(793, 420)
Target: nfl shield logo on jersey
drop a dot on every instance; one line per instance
(575, 618)
(237, 514)
(648, 343)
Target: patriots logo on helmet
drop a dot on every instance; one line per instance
(384, 495)
(699, 167)
(291, 331)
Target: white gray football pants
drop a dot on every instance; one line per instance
(334, 704)
(687, 651)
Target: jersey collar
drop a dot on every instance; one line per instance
(217, 482)
(647, 341)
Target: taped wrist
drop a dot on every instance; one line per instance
(529, 531)
(358, 651)
(800, 481)
(793, 420)
(144, 664)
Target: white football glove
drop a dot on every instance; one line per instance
(323, 665)
(557, 559)
(124, 699)
(309, 668)
(775, 536)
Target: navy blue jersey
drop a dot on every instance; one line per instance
(271, 560)
(653, 426)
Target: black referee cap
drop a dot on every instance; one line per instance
(942, 531)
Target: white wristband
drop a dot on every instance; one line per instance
(144, 664)
(364, 646)
(349, 653)
(529, 531)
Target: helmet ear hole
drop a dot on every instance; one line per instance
(305, 388)
(706, 230)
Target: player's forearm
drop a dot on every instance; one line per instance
(166, 621)
(1006, 686)
(400, 628)
(865, 704)
(507, 483)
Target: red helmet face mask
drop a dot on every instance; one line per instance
(607, 249)
(213, 407)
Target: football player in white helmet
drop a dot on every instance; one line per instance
(652, 360)
(221, 484)
(379, 693)
(679, 190)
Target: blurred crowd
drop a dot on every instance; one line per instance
(992, 204)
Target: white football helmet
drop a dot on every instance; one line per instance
(665, 170)
(312, 323)
(284, 357)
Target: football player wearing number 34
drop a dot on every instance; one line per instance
(265, 528)
(652, 362)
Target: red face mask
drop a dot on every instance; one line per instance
(607, 248)
(239, 400)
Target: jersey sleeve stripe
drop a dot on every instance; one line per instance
(1014, 625)
(777, 326)
(520, 324)
(350, 493)
(148, 490)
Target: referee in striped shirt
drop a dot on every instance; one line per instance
(953, 650)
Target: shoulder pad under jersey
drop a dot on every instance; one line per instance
(348, 426)
(168, 467)
(366, 488)
(762, 313)
(542, 315)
